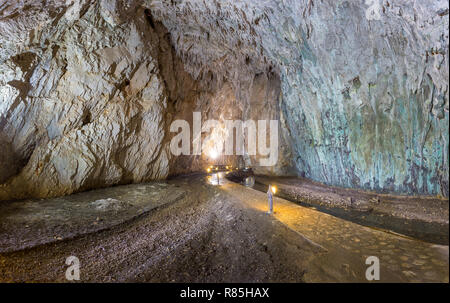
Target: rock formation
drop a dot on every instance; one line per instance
(88, 89)
(84, 100)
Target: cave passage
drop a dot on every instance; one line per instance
(143, 141)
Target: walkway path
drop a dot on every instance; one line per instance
(214, 234)
(348, 244)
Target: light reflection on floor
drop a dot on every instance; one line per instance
(217, 178)
(348, 244)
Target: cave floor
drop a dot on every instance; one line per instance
(213, 233)
(422, 217)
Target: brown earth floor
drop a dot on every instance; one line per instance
(222, 234)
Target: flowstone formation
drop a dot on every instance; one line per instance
(88, 89)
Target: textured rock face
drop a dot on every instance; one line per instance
(83, 100)
(88, 89)
(371, 108)
(365, 86)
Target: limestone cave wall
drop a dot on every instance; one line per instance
(364, 85)
(88, 89)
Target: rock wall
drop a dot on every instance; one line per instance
(86, 97)
(88, 89)
(371, 105)
(83, 100)
(364, 85)
(88, 92)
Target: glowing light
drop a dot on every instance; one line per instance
(213, 154)
(208, 170)
(274, 189)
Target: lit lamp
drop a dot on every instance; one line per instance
(213, 154)
(274, 189)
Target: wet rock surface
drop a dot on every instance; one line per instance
(29, 223)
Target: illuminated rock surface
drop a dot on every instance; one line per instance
(365, 101)
(89, 89)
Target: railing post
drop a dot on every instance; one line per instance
(270, 198)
